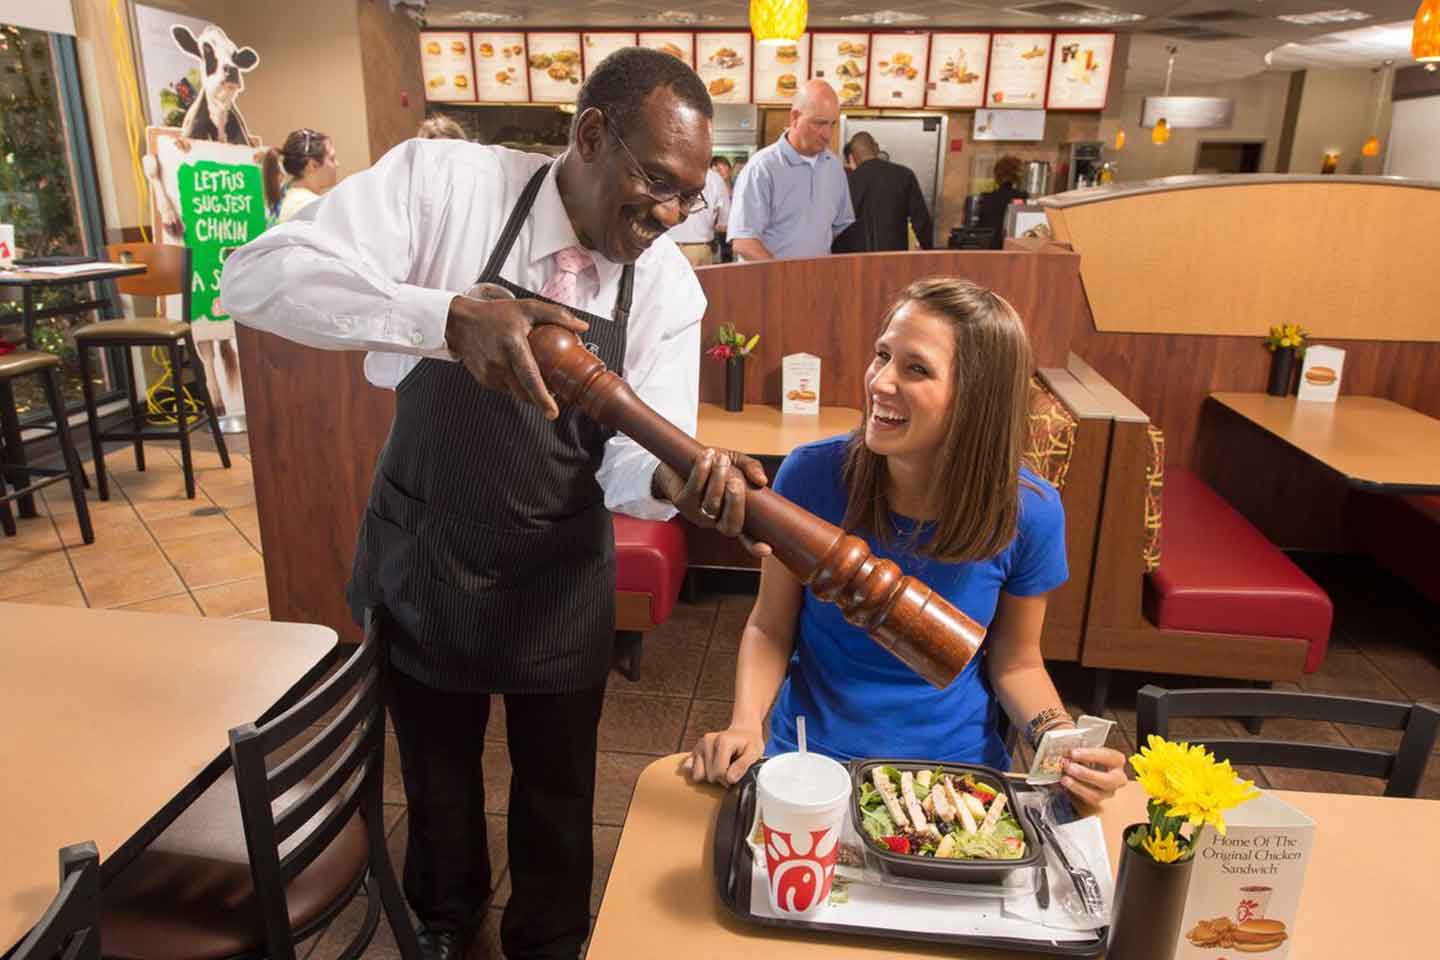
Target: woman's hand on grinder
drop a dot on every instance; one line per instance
(713, 496)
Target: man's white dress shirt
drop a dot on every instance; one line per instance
(375, 263)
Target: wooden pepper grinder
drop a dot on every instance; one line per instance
(899, 612)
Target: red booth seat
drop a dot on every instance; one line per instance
(1218, 574)
(1400, 534)
(650, 561)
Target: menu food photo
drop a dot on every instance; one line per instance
(842, 60)
(446, 66)
(780, 69)
(723, 62)
(1019, 64)
(599, 45)
(899, 74)
(1080, 76)
(554, 63)
(681, 46)
(958, 65)
(501, 74)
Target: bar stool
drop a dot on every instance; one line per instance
(13, 467)
(168, 272)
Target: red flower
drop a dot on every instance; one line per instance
(720, 352)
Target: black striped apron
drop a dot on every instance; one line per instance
(486, 538)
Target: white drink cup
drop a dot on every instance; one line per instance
(7, 244)
(803, 798)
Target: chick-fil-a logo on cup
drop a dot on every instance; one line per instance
(801, 867)
(802, 799)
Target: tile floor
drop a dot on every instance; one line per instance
(157, 551)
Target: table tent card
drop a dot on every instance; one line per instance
(1320, 377)
(800, 379)
(1245, 889)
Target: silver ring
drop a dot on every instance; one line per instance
(707, 514)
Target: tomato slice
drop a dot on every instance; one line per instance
(898, 844)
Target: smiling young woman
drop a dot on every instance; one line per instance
(933, 481)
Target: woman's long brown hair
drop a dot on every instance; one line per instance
(977, 471)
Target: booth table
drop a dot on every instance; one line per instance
(115, 722)
(1374, 443)
(1367, 886)
(29, 281)
(762, 430)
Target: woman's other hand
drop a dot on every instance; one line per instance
(724, 756)
(1094, 775)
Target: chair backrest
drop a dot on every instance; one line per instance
(167, 271)
(70, 928)
(1402, 768)
(336, 772)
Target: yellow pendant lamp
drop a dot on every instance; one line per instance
(1425, 40)
(1120, 139)
(1372, 145)
(1160, 134)
(778, 21)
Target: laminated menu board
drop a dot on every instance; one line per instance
(679, 45)
(501, 75)
(898, 69)
(780, 69)
(1019, 65)
(600, 44)
(1080, 71)
(554, 63)
(843, 61)
(958, 64)
(446, 66)
(723, 62)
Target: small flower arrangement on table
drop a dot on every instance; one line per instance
(1187, 786)
(730, 343)
(1286, 336)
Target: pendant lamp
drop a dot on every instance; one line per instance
(1425, 39)
(776, 22)
(1160, 134)
(1372, 145)
(1120, 139)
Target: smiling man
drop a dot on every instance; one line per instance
(488, 537)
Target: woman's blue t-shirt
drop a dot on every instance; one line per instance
(857, 698)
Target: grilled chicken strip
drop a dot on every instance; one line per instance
(912, 806)
(892, 803)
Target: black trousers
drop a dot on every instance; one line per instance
(552, 797)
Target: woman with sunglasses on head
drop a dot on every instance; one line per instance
(298, 173)
(933, 481)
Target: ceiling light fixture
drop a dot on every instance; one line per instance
(683, 17)
(484, 17)
(884, 18)
(1425, 38)
(1324, 16)
(1372, 145)
(1120, 139)
(776, 22)
(1100, 18)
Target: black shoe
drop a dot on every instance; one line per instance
(444, 944)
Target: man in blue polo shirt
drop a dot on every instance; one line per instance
(791, 200)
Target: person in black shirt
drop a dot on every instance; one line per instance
(886, 195)
(992, 205)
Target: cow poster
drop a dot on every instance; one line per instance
(206, 193)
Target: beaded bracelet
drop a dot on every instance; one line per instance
(1044, 720)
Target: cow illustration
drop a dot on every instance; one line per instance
(213, 115)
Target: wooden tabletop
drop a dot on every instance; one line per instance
(1374, 443)
(661, 897)
(102, 271)
(106, 718)
(763, 431)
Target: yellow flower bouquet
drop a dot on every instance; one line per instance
(1287, 335)
(1187, 787)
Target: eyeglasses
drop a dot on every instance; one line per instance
(691, 202)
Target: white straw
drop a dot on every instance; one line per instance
(800, 732)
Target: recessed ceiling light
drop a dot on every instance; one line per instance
(480, 16)
(884, 18)
(1325, 16)
(1100, 18)
(683, 17)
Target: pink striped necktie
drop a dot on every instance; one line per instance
(569, 264)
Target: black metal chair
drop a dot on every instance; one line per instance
(13, 466)
(243, 880)
(70, 928)
(168, 272)
(1402, 768)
